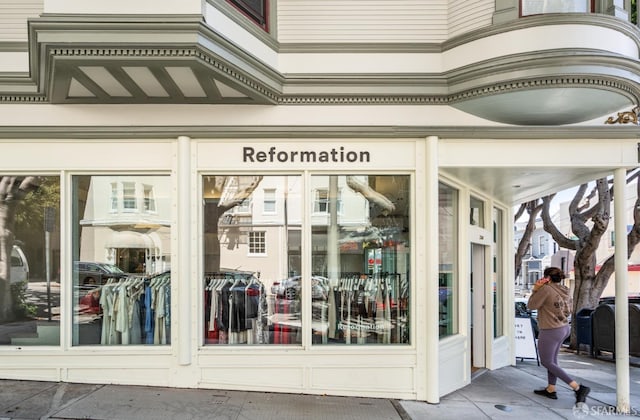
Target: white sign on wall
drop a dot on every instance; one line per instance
(308, 154)
(526, 347)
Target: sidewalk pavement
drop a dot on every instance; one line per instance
(500, 394)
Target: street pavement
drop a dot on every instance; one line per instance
(499, 394)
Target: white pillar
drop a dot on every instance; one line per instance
(431, 288)
(622, 300)
(183, 272)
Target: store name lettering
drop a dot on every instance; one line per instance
(251, 155)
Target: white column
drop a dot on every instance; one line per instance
(431, 289)
(622, 300)
(183, 230)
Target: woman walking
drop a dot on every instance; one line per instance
(553, 302)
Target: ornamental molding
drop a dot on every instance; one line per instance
(627, 117)
(261, 84)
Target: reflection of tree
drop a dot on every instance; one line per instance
(221, 194)
(30, 224)
(13, 189)
(372, 196)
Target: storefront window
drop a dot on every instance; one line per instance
(448, 247)
(497, 273)
(360, 259)
(30, 260)
(252, 267)
(121, 260)
(476, 212)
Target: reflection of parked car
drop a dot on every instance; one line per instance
(90, 273)
(290, 288)
(19, 265)
(522, 311)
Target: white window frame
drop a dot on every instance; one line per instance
(257, 239)
(128, 198)
(270, 199)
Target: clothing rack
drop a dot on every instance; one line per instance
(365, 308)
(135, 310)
(235, 309)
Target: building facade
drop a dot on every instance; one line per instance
(290, 196)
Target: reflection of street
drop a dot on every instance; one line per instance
(31, 330)
(36, 294)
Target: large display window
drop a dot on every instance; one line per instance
(252, 267)
(254, 281)
(360, 259)
(121, 260)
(29, 260)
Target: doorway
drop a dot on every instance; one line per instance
(477, 291)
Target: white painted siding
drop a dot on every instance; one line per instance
(379, 21)
(466, 15)
(13, 18)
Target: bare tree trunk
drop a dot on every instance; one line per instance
(588, 224)
(12, 190)
(533, 208)
(225, 192)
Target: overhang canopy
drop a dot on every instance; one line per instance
(119, 60)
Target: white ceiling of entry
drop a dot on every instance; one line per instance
(515, 185)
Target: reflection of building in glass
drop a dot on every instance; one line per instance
(126, 222)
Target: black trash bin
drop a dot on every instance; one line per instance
(634, 329)
(584, 329)
(604, 329)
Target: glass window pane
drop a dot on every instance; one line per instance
(535, 7)
(121, 261)
(360, 259)
(498, 279)
(476, 213)
(30, 260)
(252, 284)
(448, 246)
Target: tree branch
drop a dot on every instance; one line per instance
(552, 229)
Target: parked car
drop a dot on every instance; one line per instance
(290, 288)
(19, 266)
(93, 273)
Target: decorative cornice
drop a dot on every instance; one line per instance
(627, 117)
(24, 98)
(544, 82)
(490, 77)
(242, 78)
(86, 133)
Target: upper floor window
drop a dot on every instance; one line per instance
(321, 201)
(256, 10)
(114, 197)
(257, 242)
(537, 7)
(149, 199)
(129, 196)
(542, 245)
(269, 200)
(244, 207)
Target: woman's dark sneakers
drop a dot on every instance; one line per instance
(547, 394)
(581, 393)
